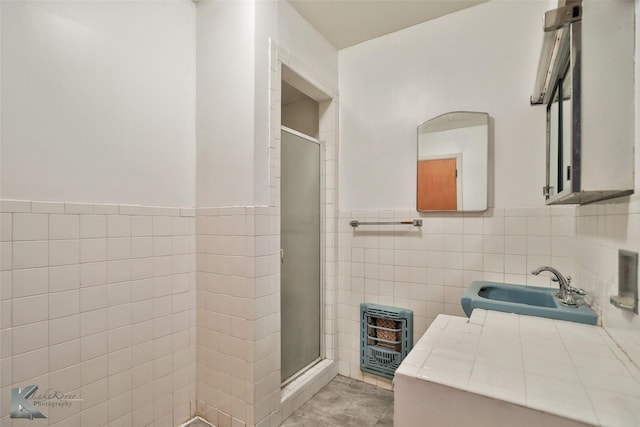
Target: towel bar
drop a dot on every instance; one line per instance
(416, 223)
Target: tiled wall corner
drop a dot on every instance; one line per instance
(238, 303)
(602, 229)
(99, 301)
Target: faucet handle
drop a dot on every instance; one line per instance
(570, 288)
(554, 278)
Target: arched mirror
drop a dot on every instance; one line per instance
(453, 158)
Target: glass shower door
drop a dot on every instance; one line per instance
(300, 243)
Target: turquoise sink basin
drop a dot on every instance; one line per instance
(528, 300)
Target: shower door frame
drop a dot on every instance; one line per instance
(322, 252)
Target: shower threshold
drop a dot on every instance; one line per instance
(300, 373)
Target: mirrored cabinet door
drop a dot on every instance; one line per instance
(586, 80)
(559, 144)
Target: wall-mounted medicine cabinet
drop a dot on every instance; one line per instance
(586, 81)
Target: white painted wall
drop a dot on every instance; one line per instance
(266, 27)
(225, 103)
(98, 102)
(637, 106)
(234, 59)
(297, 36)
(479, 59)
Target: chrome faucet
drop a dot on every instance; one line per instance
(565, 287)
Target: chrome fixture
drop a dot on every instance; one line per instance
(627, 297)
(565, 287)
(573, 289)
(554, 56)
(416, 223)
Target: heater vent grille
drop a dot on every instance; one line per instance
(386, 337)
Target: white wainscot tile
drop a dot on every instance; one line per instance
(64, 278)
(118, 293)
(119, 316)
(93, 346)
(64, 226)
(515, 226)
(515, 264)
(6, 285)
(93, 322)
(118, 248)
(30, 365)
(539, 226)
(6, 227)
(142, 226)
(30, 337)
(118, 226)
(31, 281)
(494, 225)
(64, 329)
(162, 226)
(119, 271)
(515, 245)
(141, 247)
(28, 226)
(93, 369)
(93, 250)
(93, 226)
(64, 355)
(538, 245)
(64, 252)
(494, 244)
(493, 263)
(30, 309)
(30, 254)
(93, 274)
(63, 304)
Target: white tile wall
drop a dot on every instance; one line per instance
(89, 308)
(602, 229)
(427, 269)
(225, 326)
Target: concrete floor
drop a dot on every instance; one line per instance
(345, 402)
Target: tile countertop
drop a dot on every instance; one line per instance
(568, 369)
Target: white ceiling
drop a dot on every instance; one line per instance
(348, 22)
